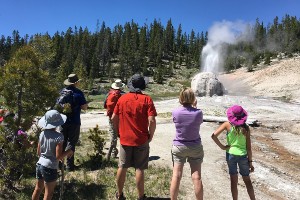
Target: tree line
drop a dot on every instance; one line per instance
(154, 50)
(275, 40)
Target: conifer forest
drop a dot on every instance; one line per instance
(154, 50)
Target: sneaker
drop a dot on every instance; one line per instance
(120, 197)
(60, 165)
(115, 153)
(144, 197)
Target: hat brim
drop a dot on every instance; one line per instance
(139, 85)
(66, 82)
(237, 121)
(114, 86)
(43, 124)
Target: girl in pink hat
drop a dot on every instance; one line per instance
(238, 148)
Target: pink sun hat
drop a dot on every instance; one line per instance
(236, 115)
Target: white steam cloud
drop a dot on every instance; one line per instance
(219, 34)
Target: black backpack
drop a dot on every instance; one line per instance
(105, 99)
(65, 103)
(118, 93)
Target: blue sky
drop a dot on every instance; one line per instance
(41, 16)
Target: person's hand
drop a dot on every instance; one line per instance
(195, 104)
(150, 138)
(225, 147)
(70, 153)
(251, 167)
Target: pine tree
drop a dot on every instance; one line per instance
(116, 40)
(43, 46)
(169, 37)
(143, 42)
(23, 86)
(57, 41)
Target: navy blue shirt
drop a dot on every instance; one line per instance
(79, 101)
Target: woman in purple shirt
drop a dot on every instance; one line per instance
(187, 143)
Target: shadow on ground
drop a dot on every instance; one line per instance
(153, 158)
(75, 190)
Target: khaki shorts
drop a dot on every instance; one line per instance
(191, 154)
(134, 156)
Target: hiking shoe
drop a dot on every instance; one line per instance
(144, 197)
(60, 165)
(120, 197)
(115, 153)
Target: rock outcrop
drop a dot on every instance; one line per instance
(207, 84)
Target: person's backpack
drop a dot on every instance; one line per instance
(105, 99)
(118, 93)
(65, 103)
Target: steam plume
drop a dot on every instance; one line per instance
(221, 33)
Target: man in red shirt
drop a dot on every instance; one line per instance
(134, 117)
(112, 98)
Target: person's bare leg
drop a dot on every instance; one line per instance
(49, 190)
(196, 177)
(140, 180)
(233, 183)
(176, 177)
(38, 189)
(249, 187)
(121, 177)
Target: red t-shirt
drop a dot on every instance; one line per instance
(112, 100)
(133, 110)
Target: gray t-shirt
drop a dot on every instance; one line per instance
(48, 140)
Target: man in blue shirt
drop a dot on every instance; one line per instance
(71, 129)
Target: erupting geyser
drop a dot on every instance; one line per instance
(206, 83)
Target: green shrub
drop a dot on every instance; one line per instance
(97, 137)
(17, 159)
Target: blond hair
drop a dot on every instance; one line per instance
(187, 97)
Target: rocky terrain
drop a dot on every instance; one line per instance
(271, 95)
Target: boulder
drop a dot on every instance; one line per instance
(207, 84)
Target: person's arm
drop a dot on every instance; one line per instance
(152, 127)
(38, 150)
(84, 106)
(82, 101)
(215, 135)
(60, 154)
(59, 150)
(249, 150)
(115, 120)
(195, 103)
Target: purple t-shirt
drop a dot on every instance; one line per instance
(187, 122)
